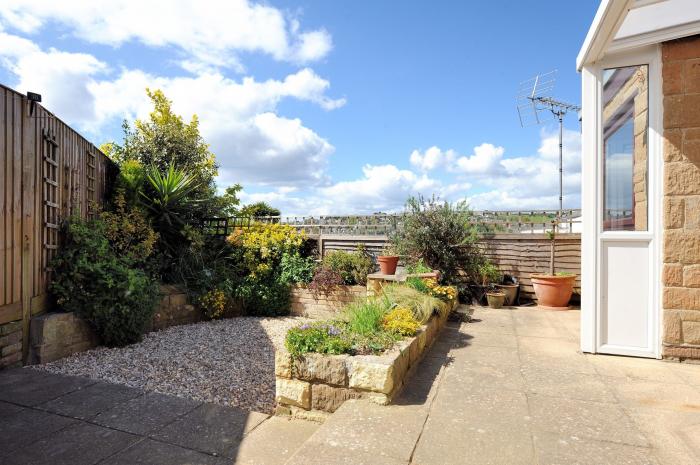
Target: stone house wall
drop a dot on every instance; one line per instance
(681, 244)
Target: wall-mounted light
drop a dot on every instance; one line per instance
(33, 97)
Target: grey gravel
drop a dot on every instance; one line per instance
(228, 362)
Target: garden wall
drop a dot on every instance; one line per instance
(57, 335)
(323, 305)
(317, 384)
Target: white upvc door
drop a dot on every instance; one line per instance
(621, 201)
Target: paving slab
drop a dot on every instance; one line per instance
(611, 366)
(20, 426)
(210, 428)
(145, 414)
(557, 449)
(29, 387)
(569, 385)
(274, 441)
(87, 402)
(80, 444)
(150, 452)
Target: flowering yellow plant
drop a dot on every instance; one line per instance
(445, 293)
(400, 320)
(265, 243)
(213, 303)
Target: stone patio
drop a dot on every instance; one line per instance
(63, 420)
(509, 388)
(512, 388)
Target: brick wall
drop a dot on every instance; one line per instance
(681, 255)
(323, 305)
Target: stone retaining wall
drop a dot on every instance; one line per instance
(323, 305)
(53, 336)
(318, 384)
(11, 344)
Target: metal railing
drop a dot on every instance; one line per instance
(520, 221)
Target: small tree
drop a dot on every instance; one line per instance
(259, 210)
(441, 234)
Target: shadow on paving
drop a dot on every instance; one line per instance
(418, 388)
(54, 419)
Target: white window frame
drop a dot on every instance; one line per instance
(592, 201)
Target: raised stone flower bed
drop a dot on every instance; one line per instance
(317, 384)
(323, 305)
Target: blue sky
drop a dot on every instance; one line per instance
(322, 107)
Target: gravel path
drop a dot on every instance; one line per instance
(229, 362)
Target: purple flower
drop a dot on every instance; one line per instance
(305, 326)
(333, 331)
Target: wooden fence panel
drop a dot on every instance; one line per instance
(43, 180)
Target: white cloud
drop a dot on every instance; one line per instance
(237, 117)
(208, 31)
(432, 158)
(486, 160)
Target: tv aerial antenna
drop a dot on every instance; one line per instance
(537, 106)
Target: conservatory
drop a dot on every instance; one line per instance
(640, 66)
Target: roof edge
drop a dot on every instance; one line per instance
(605, 24)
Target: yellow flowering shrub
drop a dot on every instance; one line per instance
(264, 244)
(213, 303)
(400, 320)
(445, 293)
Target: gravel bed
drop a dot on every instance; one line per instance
(229, 362)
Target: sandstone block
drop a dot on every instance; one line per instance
(329, 398)
(672, 327)
(672, 274)
(283, 364)
(673, 77)
(681, 49)
(10, 339)
(377, 398)
(673, 142)
(692, 213)
(691, 332)
(691, 276)
(11, 349)
(293, 392)
(682, 246)
(691, 76)
(178, 299)
(681, 178)
(329, 369)
(682, 298)
(674, 212)
(364, 372)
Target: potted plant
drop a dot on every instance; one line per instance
(553, 290)
(509, 286)
(388, 260)
(495, 297)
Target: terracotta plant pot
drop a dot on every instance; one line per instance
(511, 292)
(495, 299)
(553, 291)
(387, 263)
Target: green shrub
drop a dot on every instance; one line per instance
(489, 273)
(264, 296)
(93, 281)
(353, 267)
(421, 305)
(418, 267)
(418, 284)
(128, 232)
(319, 337)
(441, 234)
(296, 269)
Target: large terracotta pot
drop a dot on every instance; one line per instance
(387, 263)
(553, 291)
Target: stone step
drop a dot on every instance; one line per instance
(274, 441)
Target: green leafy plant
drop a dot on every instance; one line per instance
(418, 284)
(489, 273)
(423, 306)
(418, 267)
(353, 267)
(94, 281)
(319, 337)
(365, 316)
(128, 232)
(296, 269)
(441, 234)
(167, 199)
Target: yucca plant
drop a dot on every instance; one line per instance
(166, 198)
(422, 305)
